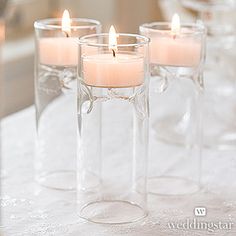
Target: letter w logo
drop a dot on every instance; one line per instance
(200, 211)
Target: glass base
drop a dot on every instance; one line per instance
(112, 212)
(170, 185)
(59, 180)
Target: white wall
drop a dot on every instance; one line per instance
(126, 15)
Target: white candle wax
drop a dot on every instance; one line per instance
(61, 51)
(104, 70)
(175, 51)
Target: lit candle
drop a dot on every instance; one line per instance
(113, 69)
(175, 47)
(59, 51)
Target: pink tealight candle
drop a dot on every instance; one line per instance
(175, 52)
(104, 70)
(59, 51)
(178, 46)
(113, 69)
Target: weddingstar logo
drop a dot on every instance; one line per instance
(200, 211)
(197, 223)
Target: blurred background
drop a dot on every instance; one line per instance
(19, 16)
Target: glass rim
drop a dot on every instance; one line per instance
(50, 23)
(84, 40)
(198, 28)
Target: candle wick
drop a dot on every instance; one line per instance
(67, 34)
(113, 53)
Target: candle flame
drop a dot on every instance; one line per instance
(175, 25)
(112, 39)
(66, 23)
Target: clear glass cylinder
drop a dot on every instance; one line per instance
(56, 62)
(113, 129)
(176, 86)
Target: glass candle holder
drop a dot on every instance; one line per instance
(176, 86)
(113, 129)
(55, 100)
(220, 95)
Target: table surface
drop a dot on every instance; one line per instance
(28, 209)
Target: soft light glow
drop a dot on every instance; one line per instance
(66, 23)
(112, 39)
(175, 25)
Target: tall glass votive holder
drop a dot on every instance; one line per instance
(176, 87)
(55, 99)
(113, 128)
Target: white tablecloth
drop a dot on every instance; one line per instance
(28, 209)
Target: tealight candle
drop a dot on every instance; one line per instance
(58, 46)
(175, 44)
(59, 51)
(113, 69)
